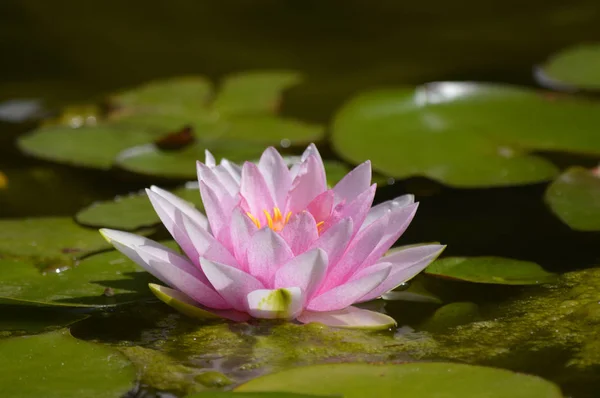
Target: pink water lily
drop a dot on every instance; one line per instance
(276, 242)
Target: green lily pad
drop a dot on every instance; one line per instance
(101, 280)
(187, 93)
(493, 270)
(35, 320)
(574, 68)
(181, 165)
(414, 291)
(88, 146)
(253, 92)
(464, 134)
(415, 380)
(130, 212)
(241, 119)
(574, 197)
(228, 394)
(47, 243)
(56, 365)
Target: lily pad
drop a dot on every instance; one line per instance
(574, 197)
(241, 119)
(56, 365)
(228, 394)
(573, 68)
(414, 291)
(88, 146)
(464, 134)
(46, 243)
(130, 212)
(178, 94)
(101, 280)
(415, 380)
(35, 320)
(253, 92)
(181, 165)
(493, 270)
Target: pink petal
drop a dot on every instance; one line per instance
(218, 210)
(351, 318)
(284, 303)
(233, 284)
(398, 221)
(188, 307)
(311, 150)
(242, 229)
(194, 241)
(321, 206)
(267, 252)
(305, 271)
(166, 265)
(276, 174)
(357, 209)
(255, 191)
(308, 184)
(358, 251)
(344, 295)
(353, 183)
(405, 263)
(385, 207)
(234, 170)
(300, 232)
(187, 208)
(218, 178)
(335, 240)
(209, 159)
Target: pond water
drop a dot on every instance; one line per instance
(68, 54)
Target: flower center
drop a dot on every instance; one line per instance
(276, 221)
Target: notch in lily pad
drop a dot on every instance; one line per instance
(491, 270)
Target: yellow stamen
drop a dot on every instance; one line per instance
(269, 219)
(254, 219)
(320, 226)
(277, 214)
(287, 217)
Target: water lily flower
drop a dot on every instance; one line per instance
(276, 242)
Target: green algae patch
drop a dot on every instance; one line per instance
(554, 325)
(162, 372)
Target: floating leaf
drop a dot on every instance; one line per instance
(130, 212)
(100, 280)
(253, 92)
(574, 68)
(47, 243)
(35, 320)
(178, 94)
(181, 165)
(494, 270)
(414, 380)
(464, 134)
(575, 198)
(412, 291)
(56, 365)
(228, 394)
(241, 120)
(94, 146)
